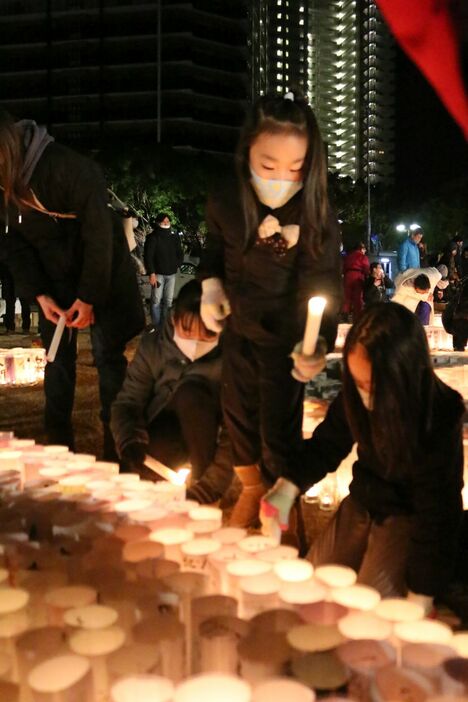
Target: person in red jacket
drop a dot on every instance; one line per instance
(355, 271)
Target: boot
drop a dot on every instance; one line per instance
(246, 510)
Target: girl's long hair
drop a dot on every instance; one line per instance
(403, 385)
(15, 190)
(273, 114)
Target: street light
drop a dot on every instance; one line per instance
(401, 228)
(406, 228)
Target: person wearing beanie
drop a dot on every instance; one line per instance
(163, 256)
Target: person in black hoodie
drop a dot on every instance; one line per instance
(398, 527)
(163, 256)
(67, 250)
(272, 242)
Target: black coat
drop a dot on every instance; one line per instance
(86, 257)
(374, 293)
(431, 493)
(163, 252)
(268, 293)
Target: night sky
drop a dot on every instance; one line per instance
(430, 147)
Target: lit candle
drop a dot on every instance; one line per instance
(90, 617)
(399, 609)
(258, 593)
(305, 592)
(97, 644)
(364, 625)
(309, 638)
(144, 688)
(213, 686)
(282, 689)
(335, 575)
(242, 568)
(256, 543)
(63, 598)
(62, 679)
(423, 631)
(172, 540)
(316, 306)
(360, 597)
(293, 571)
(195, 553)
(174, 477)
(218, 643)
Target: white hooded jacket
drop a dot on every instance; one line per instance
(406, 295)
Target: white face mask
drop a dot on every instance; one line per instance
(274, 193)
(192, 348)
(165, 226)
(366, 398)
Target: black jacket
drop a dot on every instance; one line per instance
(163, 252)
(86, 257)
(431, 493)
(374, 293)
(158, 369)
(268, 293)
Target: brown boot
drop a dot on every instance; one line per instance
(246, 510)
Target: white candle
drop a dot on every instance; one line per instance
(61, 675)
(336, 575)
(360, 597)
(305, 592)
(91, 617)
(399, 609)
(213, 686)
(144, 688)
(280, 689)
(364, 625)
(424, 631)
(54, 344)
(316, 306)
(176, 478)
(294, 570)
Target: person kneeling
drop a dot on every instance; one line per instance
(399, 526)
(169, 405)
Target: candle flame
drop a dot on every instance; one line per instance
(181, 476)
(317, 305)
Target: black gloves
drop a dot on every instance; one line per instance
(133, 456)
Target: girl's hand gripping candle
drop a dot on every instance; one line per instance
(276, 506)
(214, 305)
(309, 355)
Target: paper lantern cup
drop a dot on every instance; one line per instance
(209, 686)
(153, 516)
(304, 592)
(68, 597)
(144, 688)
(278, 553)
(91, 617)
(242, 568)
(137, 551)
(59, 674)
(172, 540)
(392, 684)
(460, 643)
(5, 665)
(293, 571)
(323, 613)
(9, 692)
(399, 609)
(361, 597)
(321, 671)
(281, 689)
(256, 543)
(310, 638)
(98, 642)
(365, 656)
(12, 600)
(276, 620)
(423, 631)
(335, 575)
(195, 553)
(229, 535)
(425, 658)
(364, 625)
(217, 644)
(129, 533)
(263, 655)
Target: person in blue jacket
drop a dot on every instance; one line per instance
(408, 252)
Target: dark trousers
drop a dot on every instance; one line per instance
(8, 294)
(378, 552)
(60, 379)
(187, 428)
(262, 405)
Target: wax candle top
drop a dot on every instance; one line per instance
(97, 642)
(91, 617)
(293, 570)
(399, 609)
(213, 686)
(336, 575)
(424, 631)
(314, 637)
(71, 596)
(364, 625)
(170, 537)
(57, 674)
(279, 689)
(12, 600)
(303, 592)
(360, 597)
(144, 688)
(243, 567)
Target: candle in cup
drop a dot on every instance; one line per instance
(294, 570)
(280, 689)
(97, 644)
(172, 540)
(213, 686)
(61, 679)
(144, 688)
(90, 617)
(316, 305)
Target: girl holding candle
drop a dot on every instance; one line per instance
(272, 243)
(398, 527)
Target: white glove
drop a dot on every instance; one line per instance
(307, 367)
(214, 305)
(275, 507)
(426, 601)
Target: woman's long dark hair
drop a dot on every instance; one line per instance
(273, 114)
(403, 385)
(15, 190)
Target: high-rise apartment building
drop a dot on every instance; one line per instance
(156, 70)
(340, 53)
